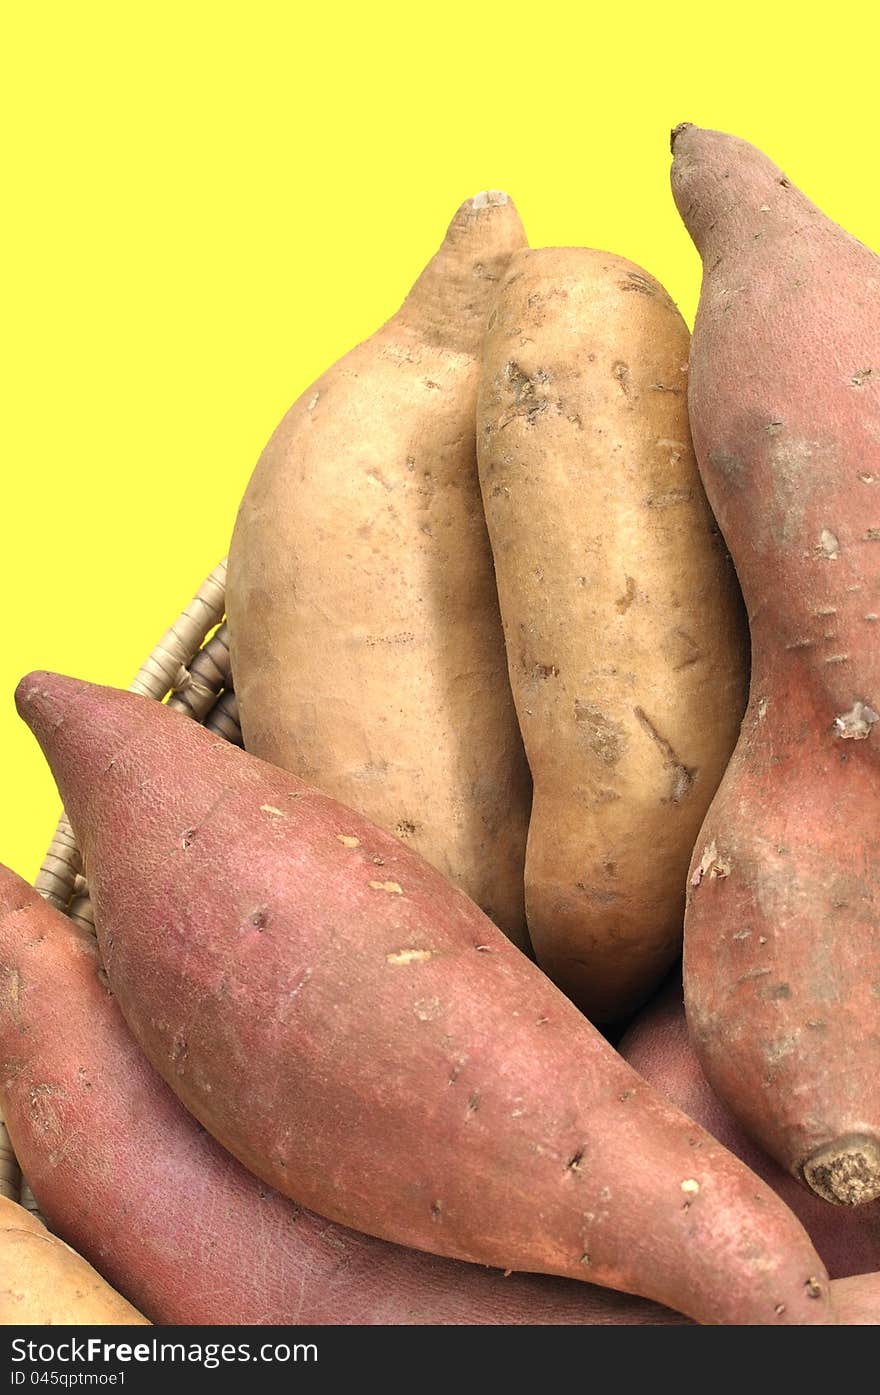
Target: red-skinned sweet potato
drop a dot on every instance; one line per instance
(858, 1300)
(361, 1036)
(782, 957)
(124, 1174)
(658, 1047)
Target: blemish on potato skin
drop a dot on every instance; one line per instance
(778, 991)
(348, 840)
(179, 1053)
(393, 887)
(860, 377)
(691, 1188)
(604, 737)
(11, 994)
(857, 723)
(623, 603)
(753, 974)
(636, 282)
(828, 545)
(681, 777)
(668, 499)
(527, 399)
(409, 956)
(427, 1009)
(620, 372)
(731, 466)
(270, 809)
(711, 865)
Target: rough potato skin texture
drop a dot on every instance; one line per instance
(360, 1035)
(365, 636)
(858, 1300)
(43, 1283)
(626, 641)
(658, 1047)
(128, 1178)
(782, 957)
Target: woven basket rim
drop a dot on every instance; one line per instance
(189, 667)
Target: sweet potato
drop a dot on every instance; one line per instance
(44, 1283)
(657, 1046)
(362, 1037)
(626, 642)
(365, 636)
(125, 1175)
(782, 956)
(858, 1300)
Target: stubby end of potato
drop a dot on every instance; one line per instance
(846, 1171)
(488, 198)
(677, 131)
(449, 303)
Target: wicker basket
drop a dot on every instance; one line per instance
(190, 667)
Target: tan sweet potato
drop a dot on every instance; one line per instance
(361, 1036)
(626, 643)
(43, 1282)
(657, 1046)
(782, 955)
(128, 1177)
(363, 616)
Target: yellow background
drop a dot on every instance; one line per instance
(206, 204)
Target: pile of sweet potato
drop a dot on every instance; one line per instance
(555, 639)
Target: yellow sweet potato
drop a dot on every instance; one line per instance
(626, 644)
(365, 635)
(45, 1283)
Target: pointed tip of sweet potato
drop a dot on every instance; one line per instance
(41, 697)
(15, 892)
(678, 131)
